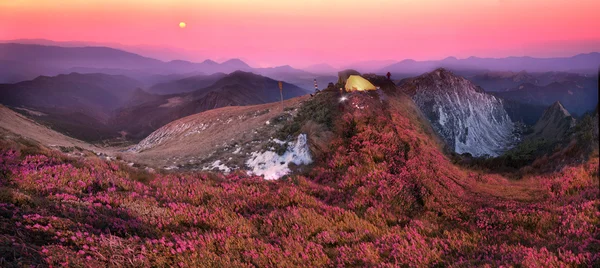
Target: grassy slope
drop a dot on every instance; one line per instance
(222, 130)
(383, 193)
(17, 125)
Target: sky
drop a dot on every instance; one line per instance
(304, 32)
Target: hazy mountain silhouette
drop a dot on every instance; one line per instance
(33, 60)
(162, 52)
(586, 63)
(369, 66)
(297, 77)
(321, 68)
(506, 81)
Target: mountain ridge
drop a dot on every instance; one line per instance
(235, 89)
(468, 119)
(584, 62)
(554, 124)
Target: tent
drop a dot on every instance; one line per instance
(357, 83)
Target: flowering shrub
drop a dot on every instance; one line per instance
(384, 195)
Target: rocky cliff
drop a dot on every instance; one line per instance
(467, 118)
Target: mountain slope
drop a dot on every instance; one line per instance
(525, 113)
(94, 92)
(554, 124)
(236, 89)
(77, 104)
(507, 81)
(187, 84)
(503, 81)
(468, 119)
(12, 123)
(198, 140)
(578, 96)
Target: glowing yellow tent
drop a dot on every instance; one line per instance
(357, 83)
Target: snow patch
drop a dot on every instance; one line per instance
(218, 165)
(273, 166)
(442, 115)
(280, 142)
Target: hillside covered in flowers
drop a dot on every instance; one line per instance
(381, 192)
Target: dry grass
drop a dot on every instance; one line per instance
(244, 126)
(29, 129)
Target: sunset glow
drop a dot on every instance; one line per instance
(300, 33)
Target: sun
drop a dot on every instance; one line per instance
(182, 25)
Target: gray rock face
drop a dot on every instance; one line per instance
(554, 123)
(468, 119)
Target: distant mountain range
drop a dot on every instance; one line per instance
(94, 93)
(20, 62)
(162, 52)
(321, 68)
(578, 97)
(371, 66)
(52, 60)
(582, 63)
(506, 81)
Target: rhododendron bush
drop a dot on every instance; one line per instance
(384, 195)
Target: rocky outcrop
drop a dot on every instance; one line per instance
(468, 119)
(554, 124)
(345, 74)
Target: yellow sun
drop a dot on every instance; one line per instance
(182, 25)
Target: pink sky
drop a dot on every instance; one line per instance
(300, 33)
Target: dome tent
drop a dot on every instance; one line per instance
(357, 83)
